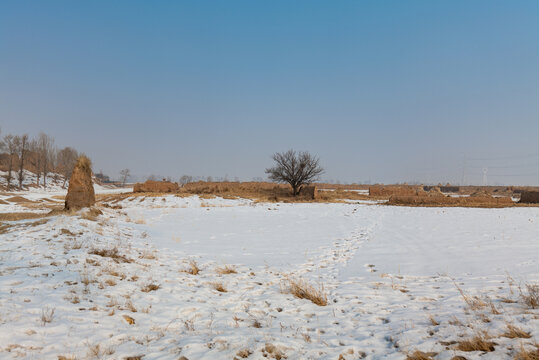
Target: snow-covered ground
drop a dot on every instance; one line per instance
(393, 277)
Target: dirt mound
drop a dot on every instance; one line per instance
(2, 202)
(19, 200)
(529, 197)
(309, 191)
(80, 193)
(156, 186)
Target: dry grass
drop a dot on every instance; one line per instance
(67, 357)
(150, 287)
(244, 353)
(272, 352)
(47, 314)
(110, 282)
(474, 303)
(525, 354)
(531, 298)
(20, 216)
(218, 286)
(480, 342)
(303, 290)
(91, 214)
(129, 319)
(433, 321)
(130, 306)
(514, 332)
(420, 355)
(422, 200)
(225, 270)
(97, 352)
(193, 268)
(112, 253)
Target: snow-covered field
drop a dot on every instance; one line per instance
(397, 280)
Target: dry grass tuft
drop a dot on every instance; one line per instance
(302, 290)
(244, 353)
(66, 232)
(225, 270)
(272, 352)
(110, 253)
(514, 332)
(474, 303)
(531, 299)
(420, 355)
(525, 354)
(130, 306)
(67, 357)
(129, 319)
(150, 287)
(91, 214)
(96, 351)
(433, 321)
(479, 342)
(256, 324)
(218, 286)
(47, 314)
(193, 268)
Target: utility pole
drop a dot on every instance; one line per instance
(463, 170)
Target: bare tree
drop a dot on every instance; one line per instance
(185, 179)
(35, 159)
(125, 173)
(47, 153)
(67, 158)
(22, 150)
(11, 147)
(296, 169)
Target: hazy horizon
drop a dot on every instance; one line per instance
(381, 92)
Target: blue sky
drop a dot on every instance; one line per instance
(385, 91)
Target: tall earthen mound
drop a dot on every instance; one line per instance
(529, 197)
(309, 191)
(156, 186)
(80, 193)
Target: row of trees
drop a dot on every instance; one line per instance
(40, 154)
